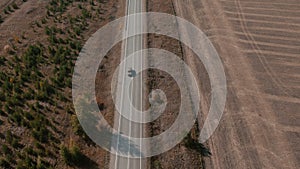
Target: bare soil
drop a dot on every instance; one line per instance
(258, 44)
(180, 156)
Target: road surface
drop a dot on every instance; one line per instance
(135, 84)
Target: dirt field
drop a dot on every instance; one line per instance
(258, 42)
(181, 156)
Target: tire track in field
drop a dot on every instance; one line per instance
(259, 3)
(257, 50)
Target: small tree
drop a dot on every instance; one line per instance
(1, 19)
(5, 149)
(66, 155)
(71, 156)
(8, 137)
(4, 163)
(76, 155)
(15, 6)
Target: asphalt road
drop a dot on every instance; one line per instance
(135, 84)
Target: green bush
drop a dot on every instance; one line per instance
(66, 155)
(5, 149)
(8, 137)
(16, 117)
(76, 155)
(6, 11)
(32, 56)
(44, 21)
(86, 13)
(4, 163)
(15, 143)
(41, 134)
(77, 127)
(193, 144)
(29, 163)
(71, 156)
(29, 150)
(9, 9)
(15, 6)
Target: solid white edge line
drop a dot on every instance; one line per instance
(141, 128)
(131, 93)
(124, 69)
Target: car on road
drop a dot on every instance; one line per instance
(131, 72)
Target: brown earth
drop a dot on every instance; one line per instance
(258, 42)
(180, 156)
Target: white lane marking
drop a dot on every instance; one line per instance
(132, 87)
(141, 128)
(123, 80)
